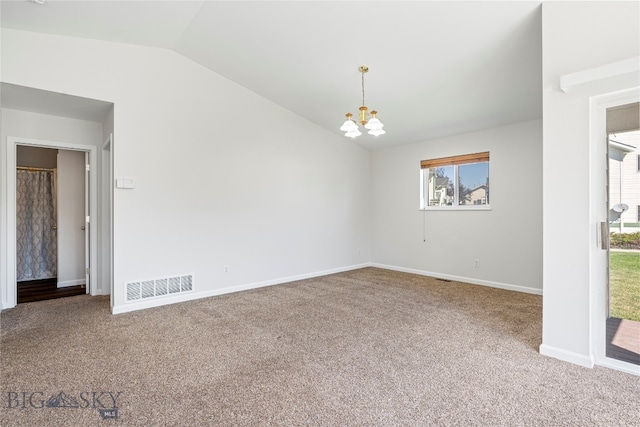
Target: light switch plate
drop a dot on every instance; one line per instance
(124, 183)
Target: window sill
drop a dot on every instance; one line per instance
(457, 208)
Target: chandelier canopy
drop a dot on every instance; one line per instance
(368, 120)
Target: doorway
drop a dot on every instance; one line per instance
(623, 194)
(610, 114)
(90, 153)
(50, 217)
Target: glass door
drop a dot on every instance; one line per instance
(623, 320)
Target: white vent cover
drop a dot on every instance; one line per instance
(159, 287)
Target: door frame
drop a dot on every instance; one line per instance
(107, 176)
(598, 213)
(10, 290)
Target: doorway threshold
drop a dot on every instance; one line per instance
(623, 340)
(45, 289)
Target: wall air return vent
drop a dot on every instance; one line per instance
(159, 287)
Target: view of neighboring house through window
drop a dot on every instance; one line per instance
(457, 181)
(624, 182)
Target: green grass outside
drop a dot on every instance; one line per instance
(625, 285)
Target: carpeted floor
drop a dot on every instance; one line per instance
(363, 348)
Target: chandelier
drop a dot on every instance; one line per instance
(370, 122)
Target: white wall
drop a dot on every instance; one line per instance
(507, 240)
(71, 222)
(25, 124)
(36, 157)
(222, 176)
(576, 36)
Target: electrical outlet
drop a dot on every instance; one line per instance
(476, 263)
(226, 269)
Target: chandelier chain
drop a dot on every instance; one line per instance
(362, 88)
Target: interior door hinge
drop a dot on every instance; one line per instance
(88, 219)
(88, 167)
(88, 270)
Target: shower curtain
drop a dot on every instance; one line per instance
(36, 225)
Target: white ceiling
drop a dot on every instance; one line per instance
(436, 68)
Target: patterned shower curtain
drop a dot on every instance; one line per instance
(36, 225)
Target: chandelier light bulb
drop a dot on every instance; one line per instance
(349, 125)
(353, 133)
(374, 123)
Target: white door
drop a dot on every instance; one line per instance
(72, 201)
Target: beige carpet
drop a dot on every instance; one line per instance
(363, 348)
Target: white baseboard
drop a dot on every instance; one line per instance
(75, 282)
(470, 280)
(189, 296)
(567, 356)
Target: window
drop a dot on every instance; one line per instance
(457, 181)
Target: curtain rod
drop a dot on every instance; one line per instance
(25, 168)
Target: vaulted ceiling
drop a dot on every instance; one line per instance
(436, 68)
